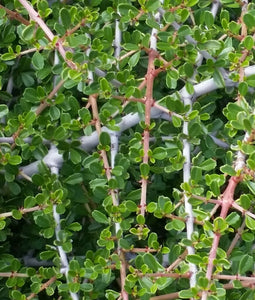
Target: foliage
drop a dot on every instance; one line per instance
(126, 149)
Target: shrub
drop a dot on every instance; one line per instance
(127, 149)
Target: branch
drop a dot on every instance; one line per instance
(35, 16)
(15, 15)
(23, 211)
(43, 287)
(146, 134)
(13, 274)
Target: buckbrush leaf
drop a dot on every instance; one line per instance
(127, 149)
(100, 217)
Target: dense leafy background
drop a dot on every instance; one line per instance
(73, 132)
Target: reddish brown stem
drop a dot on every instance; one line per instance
(236, 238)
(136, 250)
(228, 195)
(43, 287)
(169, 275)
(93, 102)
(13, 274)
(177, 261)
(166, 297)
(234, 277)
(227, 200)
(23, 211)
(123, 274)
(146, 138)
(15, 15)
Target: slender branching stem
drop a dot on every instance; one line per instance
(146, 134)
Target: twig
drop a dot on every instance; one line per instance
(236, 238)
(35, 16)
(43, 287)
(13, 274)
(177, 261)
(146, 134)
(169, 275)
(15, 15)
(23, 211)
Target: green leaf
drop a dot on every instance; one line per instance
(152, 239)
(152, 23)
(54, 113)
(208, 164)
(246, 264)
(134, 59)
(43, 221)
(188, 69)
(16, 214)
(74, 226)
(159, 153)
(248, 237)
(47, 255)
(194, 259)
(84, 115)
(15, 160)
(74, 287)
(151, 207)
(203, 282)
(86, 287)
(209, 19)
(190, 88)
(60, 133)
(140, 219)
(73, 179)
(220, 225)
(248, 42)
(104, 85)
(177, 122)
(104, 139)
(152, 5)
(144, 169)
(65, 17)
(168, 17)
(191, 3)
(218, 78)
(251, 186)
(131, 206)
(38, 61)
(186, 294)
(232, 218)
(245, 201)
(178, 225)
(251, 80)
(130, 46)
(150, 261)
(75, 156)
(17, 295)
(243, 88)
(29, 32)
(8, 56)
(196, 173)
(4, 110)
(227, 169)
(213, 45)
(249, 222)
(29, 202)
(2, 224)
(100, 217)
(2, 13)
(249, 20)
(30, 118)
